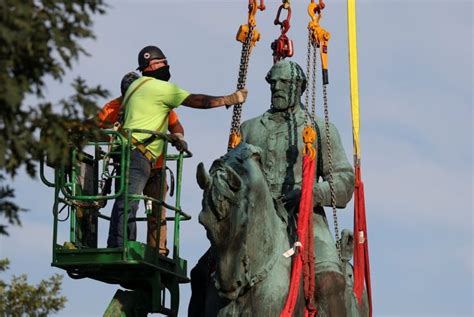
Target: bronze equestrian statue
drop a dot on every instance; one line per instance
(248, 237)
(251, 223)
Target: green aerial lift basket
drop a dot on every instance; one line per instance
(79, 193)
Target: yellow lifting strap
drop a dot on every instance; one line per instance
(353, 75)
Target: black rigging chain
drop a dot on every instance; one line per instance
(331, 172)
(243, 68)
(311, 67)
(313, 91)
(309, 61)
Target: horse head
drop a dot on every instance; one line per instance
(239, 216)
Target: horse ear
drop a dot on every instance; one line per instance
(202, 176)
(233, 179)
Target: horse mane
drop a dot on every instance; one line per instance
(243, 152)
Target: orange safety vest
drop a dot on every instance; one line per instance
(109, 115)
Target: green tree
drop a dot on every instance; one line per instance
(39, 39)
(22, 299)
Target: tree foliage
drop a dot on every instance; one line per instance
(22, 299)
(9, 208)
(40, 39)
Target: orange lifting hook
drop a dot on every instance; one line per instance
(243, 31)
(315, 7)
(309, 135)
(234, 140)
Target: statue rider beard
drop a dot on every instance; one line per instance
(286, 97)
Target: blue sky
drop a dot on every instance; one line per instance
(415, 71)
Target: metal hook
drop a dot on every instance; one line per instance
(285, 24)
(314, 8)
(253, 7)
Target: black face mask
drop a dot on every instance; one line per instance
(162, 73)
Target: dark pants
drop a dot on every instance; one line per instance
(139, 172)
(200, 281)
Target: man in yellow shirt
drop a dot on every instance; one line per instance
(108, 115)
(148, 102)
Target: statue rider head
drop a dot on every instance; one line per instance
(287, 83)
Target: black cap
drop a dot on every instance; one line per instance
(147, 54)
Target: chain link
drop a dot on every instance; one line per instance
(308, 75)
(243, 68)
(311, 66)
(331, 172)
(311, 70)
(313, 92)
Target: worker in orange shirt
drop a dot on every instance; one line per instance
(110, 114)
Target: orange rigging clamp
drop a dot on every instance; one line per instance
(234, 140)
(244, 29)
(319, 36)
(283, 46)
(309, 135)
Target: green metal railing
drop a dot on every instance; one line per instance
(135, 261)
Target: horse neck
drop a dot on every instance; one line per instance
(268, 271)
(266, 239)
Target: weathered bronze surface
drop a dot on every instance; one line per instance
(250, 207)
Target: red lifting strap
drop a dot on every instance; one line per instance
(304, 257)
(361, 246)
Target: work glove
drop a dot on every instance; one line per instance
(178, 143)
(236, 98)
